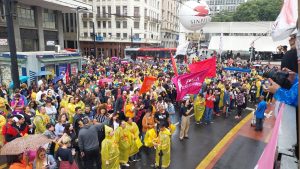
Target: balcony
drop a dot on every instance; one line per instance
(102, 17)
(121, 17)
(91, 15)
(147, 18)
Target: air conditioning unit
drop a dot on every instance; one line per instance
(57, 48)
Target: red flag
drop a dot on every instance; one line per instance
(67, 75)
(208, 64)
(189, 83)
(174, 64)
(147, 84)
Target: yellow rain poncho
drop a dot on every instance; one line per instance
(81, 105)
(222, 87)
(258, 85)
(71, 111)
(149, 137)
(129, 110)
(40, 121)
(109, 151)
(124, 139)
(163, 142)
(2, 123)
(3, 103)
(136, 141)
(199, 107)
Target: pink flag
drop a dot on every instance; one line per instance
(266, 160)
(189, 83)
(208, 64)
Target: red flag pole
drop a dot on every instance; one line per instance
(174, 64)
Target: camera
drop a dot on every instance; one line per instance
(280, 77)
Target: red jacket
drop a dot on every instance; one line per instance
(9, 132)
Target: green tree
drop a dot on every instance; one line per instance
(254, 10)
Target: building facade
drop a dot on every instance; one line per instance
(38, 28)
(121, 24)
(169, 23)
(217, 6)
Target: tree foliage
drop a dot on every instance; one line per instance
(254, 10)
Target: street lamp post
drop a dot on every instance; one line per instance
(12, 43)
(77, 28)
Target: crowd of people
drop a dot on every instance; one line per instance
(98, 117)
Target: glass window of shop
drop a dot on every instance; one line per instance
(49, 19)
(26, 16)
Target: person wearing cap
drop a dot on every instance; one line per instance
(88, 142)
(8, 131)
(20, 124)
(109, 150)
(163, 144)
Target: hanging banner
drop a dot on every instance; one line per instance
(74, 69)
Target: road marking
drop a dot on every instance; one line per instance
(214, 152)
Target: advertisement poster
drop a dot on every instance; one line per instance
(74, 69)
(62, 68)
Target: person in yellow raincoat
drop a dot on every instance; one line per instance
(79, 103)
(64, 101)
(109, 150)
(2, 123)
(40, 120)
(71, 109)
(124, 139)
(222, 87)
(199, 107)
(258, 85)
(129, 107)
(4, 105)
(136, 141)
(163, 143)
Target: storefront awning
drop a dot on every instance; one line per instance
(243, 43)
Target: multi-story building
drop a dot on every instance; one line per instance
(38, 28)
(217, 6)
(170, 23)
(120, 24)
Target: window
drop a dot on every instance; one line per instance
(104, 35)
(91, 24)
(98, 24)
(109, 24)
(124, 35)
(125, 10)
(145, 26)
(136, 25)
(84, 24)
(118, 10)
(118, 24)
(118, 35)
(26, 16)
(98, 10)
(145, 12)
(85, 34)
(145, 1)
(109, 11)
(103, 11)
(49, 19)
(136, 11)
(124, 24)
(104, 24)
(136, 35)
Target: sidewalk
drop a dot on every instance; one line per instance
(245, 147)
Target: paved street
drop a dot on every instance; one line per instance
(189, 153)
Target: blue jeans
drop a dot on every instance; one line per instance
(208, 114)
(172, 118)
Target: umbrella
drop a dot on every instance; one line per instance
(257, 65)
(106, 80)
(22, 144)
(44, 73)
(57, 78)
(124, 62)
(22, 80)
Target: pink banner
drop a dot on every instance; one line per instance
(266, 160)
(189, 83)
